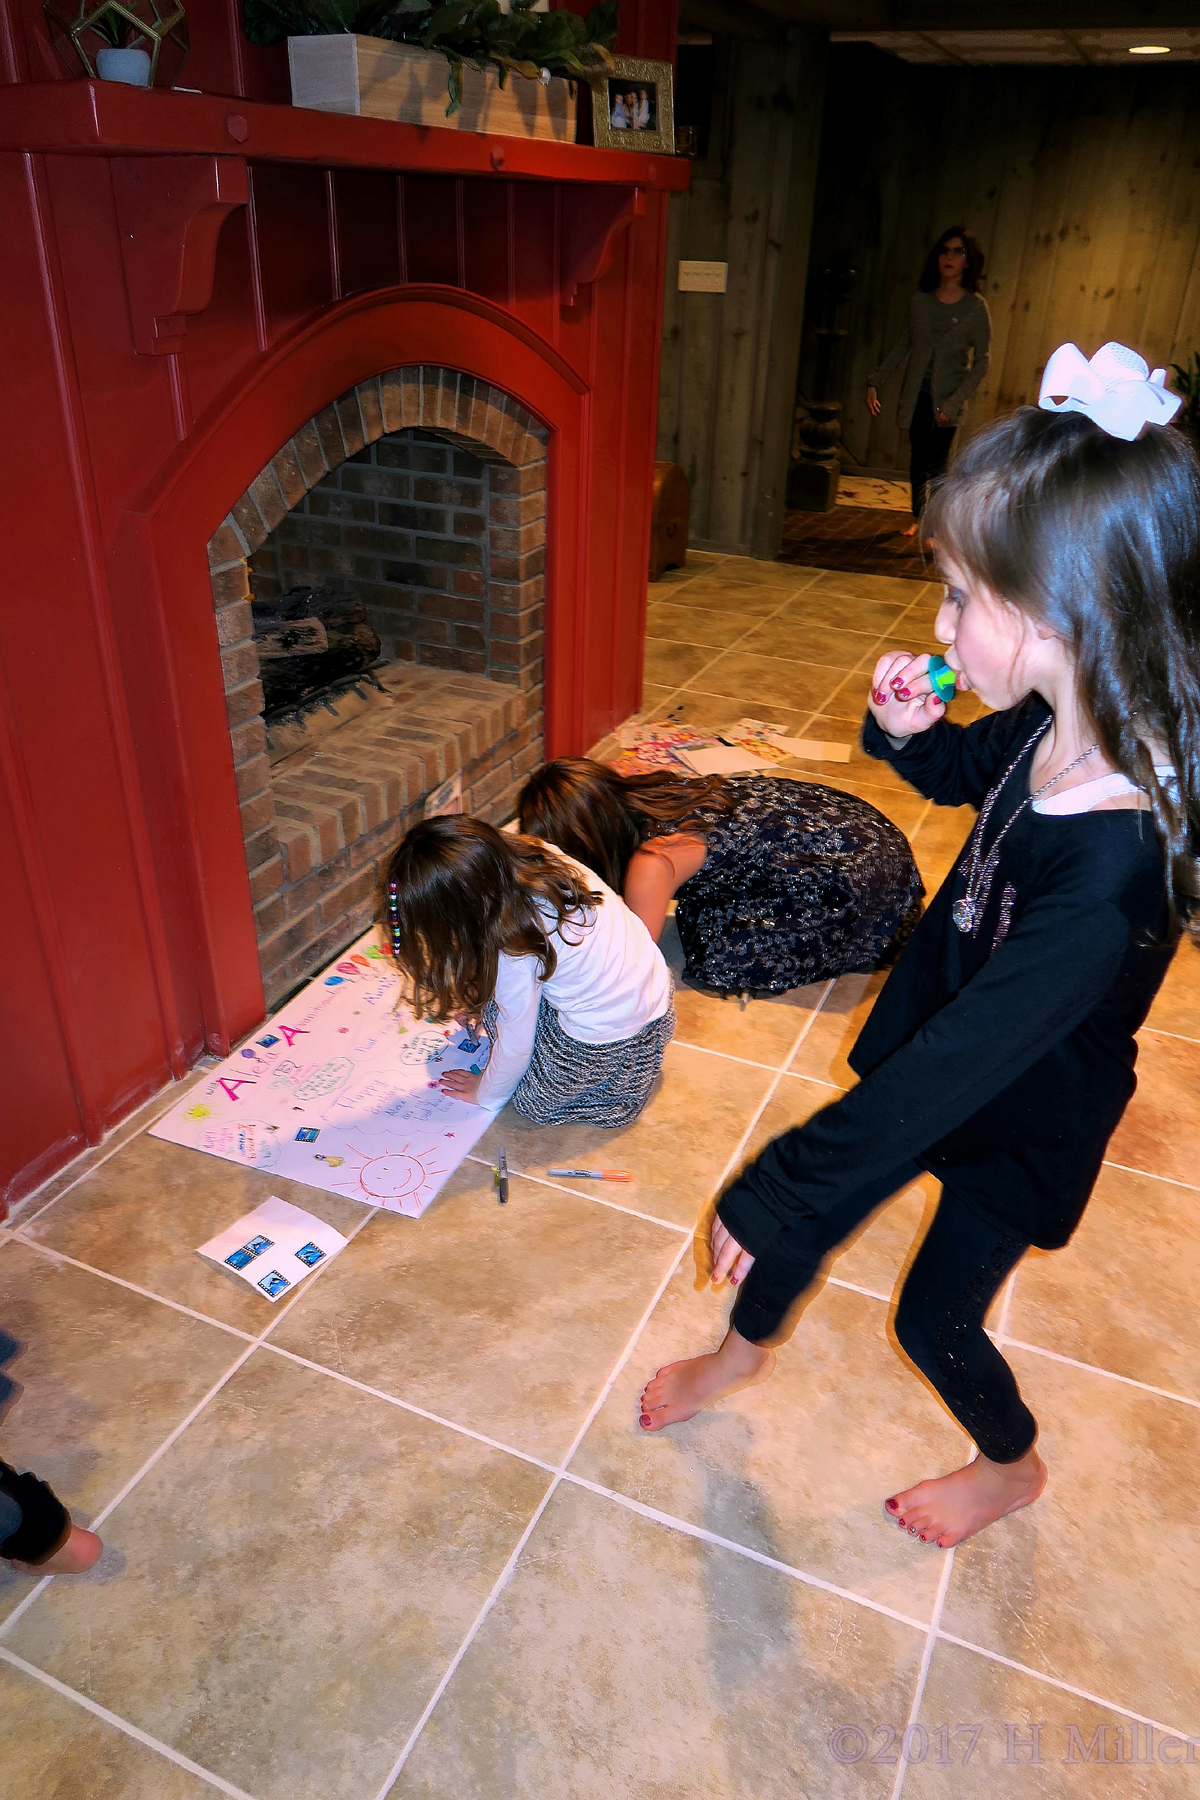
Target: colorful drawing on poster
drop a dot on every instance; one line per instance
(233, 1083)
(393, 1177)
(349, 1066)
(248, 1142)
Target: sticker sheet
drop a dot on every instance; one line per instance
(340, 1091)
(274, 1247)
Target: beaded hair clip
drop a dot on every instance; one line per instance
(393, 905)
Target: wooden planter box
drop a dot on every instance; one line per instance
(380, 80)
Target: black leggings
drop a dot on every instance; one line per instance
(939, 1322)
(930, 444)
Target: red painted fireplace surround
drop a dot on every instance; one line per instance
(191, 280)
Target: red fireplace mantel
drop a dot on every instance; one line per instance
(190, 277)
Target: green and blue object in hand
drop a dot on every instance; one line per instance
(941, 676)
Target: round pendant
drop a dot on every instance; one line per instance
(963, 914)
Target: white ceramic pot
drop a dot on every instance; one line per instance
(130, 66)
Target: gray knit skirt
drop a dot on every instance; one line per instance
(569, 1083)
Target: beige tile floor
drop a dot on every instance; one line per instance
(403, 1535)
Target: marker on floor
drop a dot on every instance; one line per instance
(593, 1174)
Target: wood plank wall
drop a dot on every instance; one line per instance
(1083, 185)
(729, 361)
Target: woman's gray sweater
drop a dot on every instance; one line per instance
(959, 355)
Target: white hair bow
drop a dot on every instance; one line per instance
(1115, 389)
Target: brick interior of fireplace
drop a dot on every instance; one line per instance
(423, 494)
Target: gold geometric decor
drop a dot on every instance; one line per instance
(157, 28)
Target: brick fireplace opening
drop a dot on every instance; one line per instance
(417, 500)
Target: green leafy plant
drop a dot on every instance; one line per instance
(532, 44)
(1187, 384)
(114, 29)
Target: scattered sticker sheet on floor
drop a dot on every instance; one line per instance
(340, 1091)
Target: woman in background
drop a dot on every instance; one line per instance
(946, 342)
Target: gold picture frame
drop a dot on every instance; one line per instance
(634, 85)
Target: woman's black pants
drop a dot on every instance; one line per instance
(930, 444)
(939, 1322)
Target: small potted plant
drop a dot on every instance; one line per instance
(139, 42)
(393, 58)
(119, 58)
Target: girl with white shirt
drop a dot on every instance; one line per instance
(509, 934)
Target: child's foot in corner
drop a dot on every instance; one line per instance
(954, 1507)
(683, 1388)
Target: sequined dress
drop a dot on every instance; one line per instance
(800, 883)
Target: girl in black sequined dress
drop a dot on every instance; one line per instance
(776, 883)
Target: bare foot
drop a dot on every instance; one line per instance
(685, 1388)
(80, 1553)
(954, 1507)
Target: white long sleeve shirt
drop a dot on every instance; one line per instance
(610, 981)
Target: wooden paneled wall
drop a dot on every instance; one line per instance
(1083, 185)
(729, 361)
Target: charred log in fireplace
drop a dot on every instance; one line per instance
(310, 639)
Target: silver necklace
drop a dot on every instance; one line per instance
(977, 870)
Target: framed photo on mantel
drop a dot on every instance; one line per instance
(633, 107)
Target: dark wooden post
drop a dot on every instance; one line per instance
(816, 455)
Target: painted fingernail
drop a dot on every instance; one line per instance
(903, 694)
(894, 682)
(733, 1281)
(880, 698)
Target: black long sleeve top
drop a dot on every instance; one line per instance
(1002, 1060)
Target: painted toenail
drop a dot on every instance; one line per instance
(912, 1531)
(892, 1505)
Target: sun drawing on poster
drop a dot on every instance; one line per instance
(392, 1178)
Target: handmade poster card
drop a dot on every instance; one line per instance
(274, 1247)
(340, 1091)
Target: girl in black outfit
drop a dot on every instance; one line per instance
(1000, 1054)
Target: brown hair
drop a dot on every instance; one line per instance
(972, 274)
(601, 818)
(457, 894)
(1099, 539)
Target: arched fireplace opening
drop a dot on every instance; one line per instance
(380, 600)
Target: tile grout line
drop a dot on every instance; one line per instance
(686, 1528)
(173, 1436)
(766, 620)
(1066, 1687)
(133, 1731)
(931, 1638)
(98, 1519)
(410, 1406)
(1072, 1362)
(1146, 1175)
(21, 1220)
(189, 1312)
(1180, 1037)
(509, 1568)
(631, 1212)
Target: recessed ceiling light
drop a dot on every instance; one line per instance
(1149, 49)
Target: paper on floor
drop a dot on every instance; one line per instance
(340, 1091)
(274, 1247)
(753, 748)
(724, 760)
